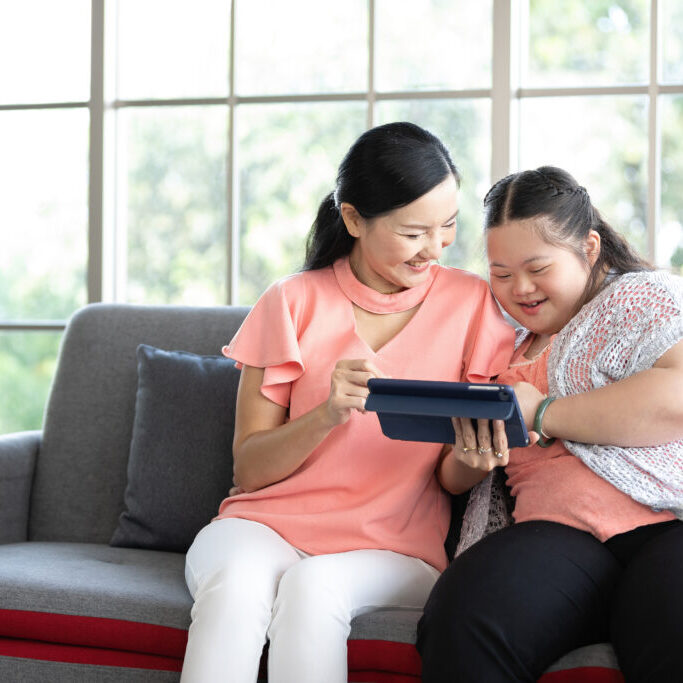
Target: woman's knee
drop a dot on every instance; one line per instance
(308, 588)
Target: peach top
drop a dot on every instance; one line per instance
(553, 484)
(359, 489)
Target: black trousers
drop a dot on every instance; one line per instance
(515, 602)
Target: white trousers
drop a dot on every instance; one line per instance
(248, 583)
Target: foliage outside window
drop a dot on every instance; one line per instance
(213, 170)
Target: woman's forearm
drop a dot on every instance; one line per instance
(455, 476)
(268, 456)
(645, 409)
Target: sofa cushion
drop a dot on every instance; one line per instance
(95, 595)
(131, 600)
(180, 464)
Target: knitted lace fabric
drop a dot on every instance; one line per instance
(623, 330)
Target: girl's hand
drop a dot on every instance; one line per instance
(235, 491)
(480, 449)
(349, 389)
(529, 398)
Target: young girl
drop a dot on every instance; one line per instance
(332, 519)
(596, 550)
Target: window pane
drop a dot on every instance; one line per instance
(601, 42)
(300, 46)
(44, 51)
(670, 234)
(432, 44)
(27, 364)
(672, 40)
(43, 213)
(173, 48)
(602, 142)
(173, 202)
(288, 159)
(464, 127)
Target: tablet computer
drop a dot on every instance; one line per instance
(420, 410)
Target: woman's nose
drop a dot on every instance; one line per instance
(433, 248)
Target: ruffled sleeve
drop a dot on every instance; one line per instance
(268, 339)
(491, 341)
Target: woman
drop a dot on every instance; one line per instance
(331, 518)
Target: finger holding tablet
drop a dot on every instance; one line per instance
(483, 449)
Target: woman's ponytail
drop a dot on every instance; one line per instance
(387, 167)
(328, 238)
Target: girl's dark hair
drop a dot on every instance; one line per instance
(551, 193)
(388, 167)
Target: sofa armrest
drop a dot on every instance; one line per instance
(18, 454)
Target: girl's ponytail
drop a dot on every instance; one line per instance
(554, 194)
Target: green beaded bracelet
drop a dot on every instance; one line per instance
(543, 441)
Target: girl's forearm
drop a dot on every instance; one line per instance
(268, 456)
(645, 409)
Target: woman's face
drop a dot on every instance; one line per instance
(539, 284)
(394, 251)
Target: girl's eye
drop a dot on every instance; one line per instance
(501, 277)
(539, 270)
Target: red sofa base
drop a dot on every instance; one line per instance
(118, 643)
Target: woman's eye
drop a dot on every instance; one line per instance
(412, 237)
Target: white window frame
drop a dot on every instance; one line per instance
(106, 278)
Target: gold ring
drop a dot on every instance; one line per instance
(465, 449)
(482, 450)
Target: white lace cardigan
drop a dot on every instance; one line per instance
(631, 323)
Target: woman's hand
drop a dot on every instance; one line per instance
(474, 455)
(349, 389)
(529, 398)
(480, 449)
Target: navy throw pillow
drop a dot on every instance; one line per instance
(180, 462)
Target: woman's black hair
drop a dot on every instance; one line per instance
(388, 167)
(552, 193)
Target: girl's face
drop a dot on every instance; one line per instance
(394, 251)
(539, 284)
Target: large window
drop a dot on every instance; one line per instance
(169, 151)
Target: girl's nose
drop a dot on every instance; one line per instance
(521, 285)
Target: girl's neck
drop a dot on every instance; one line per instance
(539, 342)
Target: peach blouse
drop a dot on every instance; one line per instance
(359, 489)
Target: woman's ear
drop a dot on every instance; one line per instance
(592, 247)
(352, 219)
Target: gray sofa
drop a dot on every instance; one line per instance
(97, 509)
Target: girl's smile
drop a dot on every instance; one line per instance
(538, 283)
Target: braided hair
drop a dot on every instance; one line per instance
(553, 194)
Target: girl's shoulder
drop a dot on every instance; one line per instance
(654, 290)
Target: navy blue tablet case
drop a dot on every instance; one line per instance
(416, 410)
